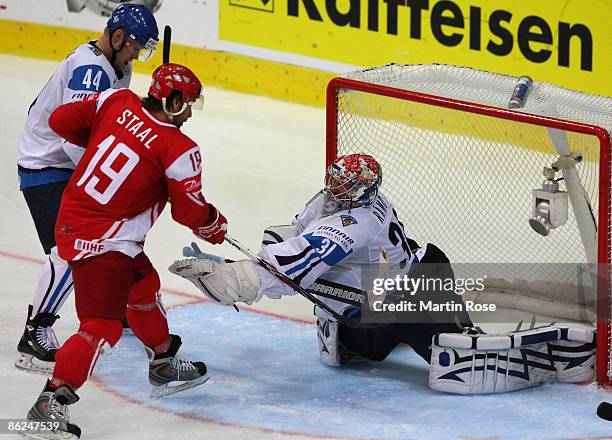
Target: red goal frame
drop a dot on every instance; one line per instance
(604, 241)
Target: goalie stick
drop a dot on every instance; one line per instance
(166, 48)
(350, 322)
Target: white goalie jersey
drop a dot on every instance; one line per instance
(84, 72)
(328, 255)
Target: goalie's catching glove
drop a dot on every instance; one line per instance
(224, 283)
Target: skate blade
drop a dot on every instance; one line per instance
(58, 435)
(166, 390)
(29, 363)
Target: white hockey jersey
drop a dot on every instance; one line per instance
(82, 73)
(331, 251)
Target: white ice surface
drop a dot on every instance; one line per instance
(262, 160)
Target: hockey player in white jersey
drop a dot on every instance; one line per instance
(342, 231)
(46, 162)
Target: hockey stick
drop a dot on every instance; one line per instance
(166, 48)
(350, 322)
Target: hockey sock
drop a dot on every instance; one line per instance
(76, 359)
(53, 286)
(146, 315)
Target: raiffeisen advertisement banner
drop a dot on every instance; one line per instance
(566, 43)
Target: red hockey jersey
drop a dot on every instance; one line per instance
(133, 164)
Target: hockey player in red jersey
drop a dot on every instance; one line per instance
(136, 160)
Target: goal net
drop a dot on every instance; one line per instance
(461, 169)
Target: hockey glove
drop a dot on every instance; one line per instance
(213, 232)
(224, 283)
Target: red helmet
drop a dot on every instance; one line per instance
(169, 77)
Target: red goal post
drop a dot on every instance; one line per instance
(409, 123)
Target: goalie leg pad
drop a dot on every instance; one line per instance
(574, 355)
(467, 371)
(230, 283)
(481, 364)
(328, 338)
(339, 344)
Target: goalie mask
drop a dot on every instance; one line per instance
(353, 180)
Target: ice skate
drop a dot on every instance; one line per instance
(169, 373)
(51, 411)
(38, 344)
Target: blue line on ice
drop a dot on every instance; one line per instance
(265, 373)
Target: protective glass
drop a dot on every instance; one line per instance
(144, 53)
(198, 103)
